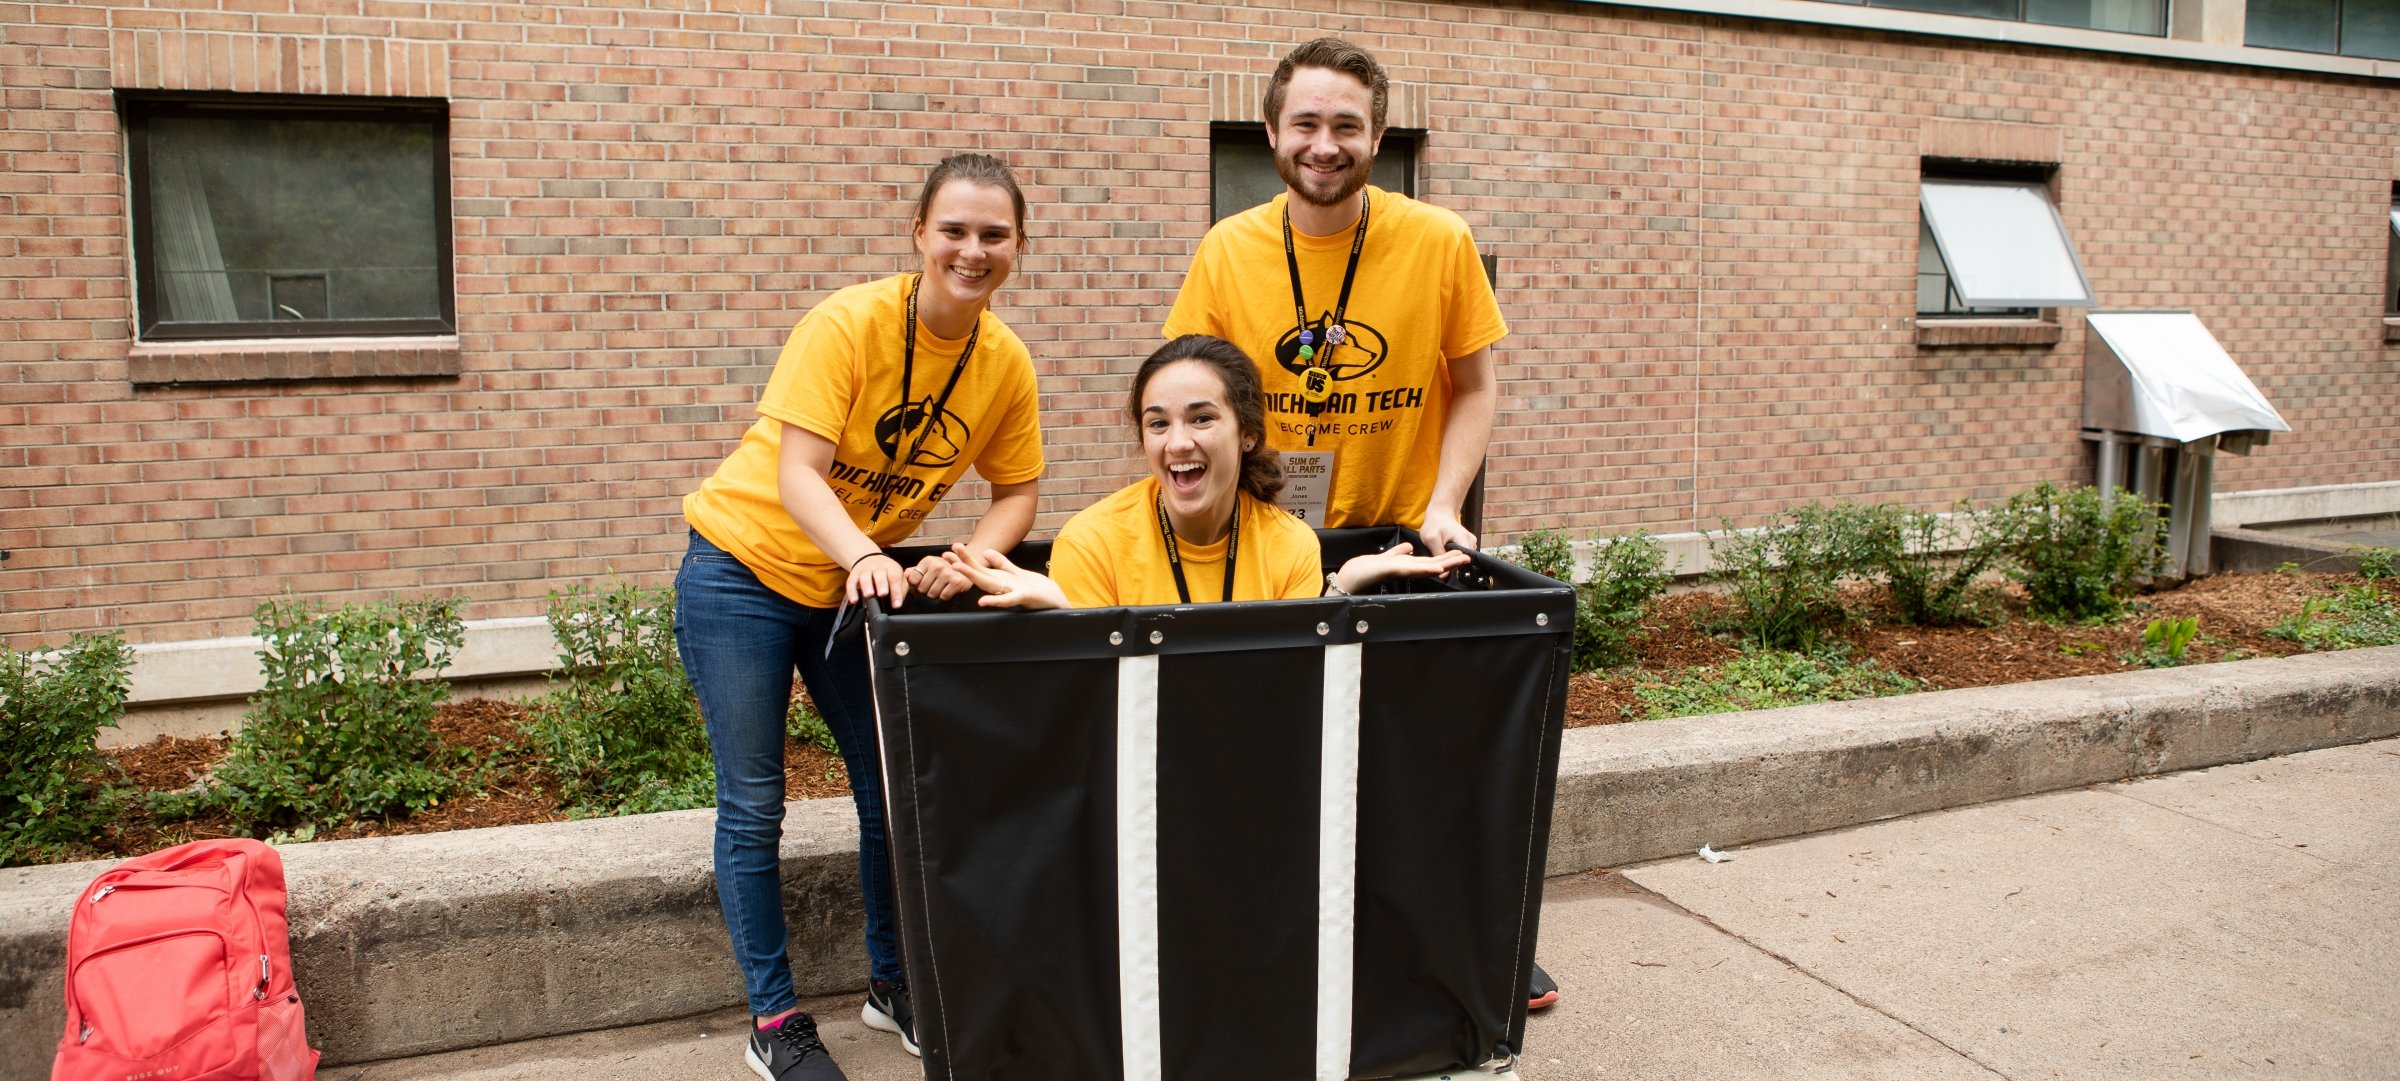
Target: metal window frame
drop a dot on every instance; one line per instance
(2040, 187)
(2166, 16)
(2391, 284)
(136, 111)
(1254, 134)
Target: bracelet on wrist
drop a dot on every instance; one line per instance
(870, 555)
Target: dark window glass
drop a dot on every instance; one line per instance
(2391, 270)
(1242, 167)
(267, 217)
(1981, 9)
(2310, 25)
(2124, 16)
(2371, 28)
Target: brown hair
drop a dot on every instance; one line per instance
(1262, 472)
(1337, 55)
(981, 169)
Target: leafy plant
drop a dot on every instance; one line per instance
(2357, 616)
(622, 733)
(1786, 575)
(1548, 553)
(804, 725)
(2165, 640)
(2376, 564)
(343, 727)
(1628, 572)
(1930, 564)
(54, 783)
(1766, 679)
(2077, 559)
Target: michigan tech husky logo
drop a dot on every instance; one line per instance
(1362, 353)
(943, 442)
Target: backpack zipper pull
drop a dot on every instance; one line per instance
(104, 892)
(264, 970)
(86, 1034)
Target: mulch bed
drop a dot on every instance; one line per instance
(2235, 610)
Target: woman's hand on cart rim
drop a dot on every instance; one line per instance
(877, 575)
(1006, 584)
(934, 577)
(1364, 571)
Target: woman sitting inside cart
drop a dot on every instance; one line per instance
(1203, 526)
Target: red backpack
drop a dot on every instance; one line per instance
(179, 968)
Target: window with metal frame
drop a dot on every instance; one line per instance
(2123, 16)
(1993, 247)
(1242, 167)
(2391, 268)
(260, 216)
(2369, 28)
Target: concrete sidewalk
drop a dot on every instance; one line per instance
(2235, 922)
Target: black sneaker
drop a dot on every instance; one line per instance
(1541, 991)
(887, 1010)
(791, 1052)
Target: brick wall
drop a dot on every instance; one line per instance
(1706, 230)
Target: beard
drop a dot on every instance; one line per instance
(1318, 190)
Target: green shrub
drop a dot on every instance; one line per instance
(1548, 553)
(622, 733)
(2078, 560)
(1930, 564)
(1628, 572)
(54, 783)
(343, 728)
(1786, 575)
(2357, 616)
(1767, 679)
(2375, 564)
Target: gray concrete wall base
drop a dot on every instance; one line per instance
(1637, 792)
(411, 945)
(2255, 550)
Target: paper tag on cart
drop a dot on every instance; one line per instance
(1307, 482)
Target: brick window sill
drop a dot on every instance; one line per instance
(1939, 332)
(2391, 329)
(262, 360)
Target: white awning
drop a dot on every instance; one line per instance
(2004, 244)
(2163, 374)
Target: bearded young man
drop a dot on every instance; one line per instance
(1369, 316)
(1367, 311)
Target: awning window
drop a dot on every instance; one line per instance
(2004, 244)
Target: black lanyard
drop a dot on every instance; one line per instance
(908, 375)
(1318, 354)
(1233, 547)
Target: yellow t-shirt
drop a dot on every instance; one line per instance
(1420, 300)
(839, 377)
(1110, 554)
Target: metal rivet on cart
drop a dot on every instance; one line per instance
(900, 648)
(1541, 619)
(1362, 626)
(1116, 638)
(1157, 636)
(1324, 629)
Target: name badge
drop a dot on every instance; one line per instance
(1307, 483)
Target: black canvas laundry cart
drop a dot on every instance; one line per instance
(1265, 841)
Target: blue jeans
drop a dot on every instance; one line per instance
(740, 642)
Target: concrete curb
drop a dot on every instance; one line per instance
(412, 945)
